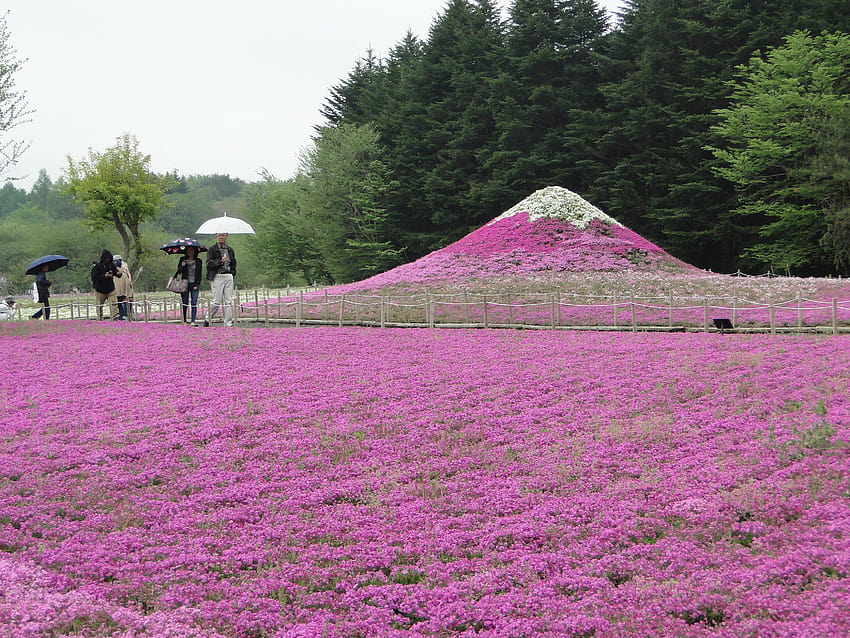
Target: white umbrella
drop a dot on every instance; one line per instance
(225, 224)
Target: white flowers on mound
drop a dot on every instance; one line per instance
(560, 203)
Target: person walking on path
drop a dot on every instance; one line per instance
(221, 269)
(43, 284)
(190, 268)
(103, 276)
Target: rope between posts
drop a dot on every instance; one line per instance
(168, 308)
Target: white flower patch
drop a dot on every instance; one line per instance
(560, 203)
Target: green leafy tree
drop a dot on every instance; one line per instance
(786, 151)
(49, 197)
(346, 185)
(284, 244)
(14, 108)
(118, 190)
(10, 198)
(187, 211)
(29, 233)
(224, 186)
(431, 105)
(197, 198)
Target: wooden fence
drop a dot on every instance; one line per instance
(467, 309)
(506, 310)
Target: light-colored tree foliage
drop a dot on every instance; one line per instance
(118, 190)
(285, 239)
(344, 197)
(14, 108)
(787, 150)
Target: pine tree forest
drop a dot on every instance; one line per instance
(641, 114)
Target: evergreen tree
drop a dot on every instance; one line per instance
(11, 198)
(670, 62)
(48, 197)
(548, 96)
(446, 142)
(357, 99)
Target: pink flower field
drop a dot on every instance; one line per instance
(350, 482)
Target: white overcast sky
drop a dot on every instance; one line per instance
(206, 86)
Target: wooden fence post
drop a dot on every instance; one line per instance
(834, 316)
(341, 309)
(705, 314)
(510, 300)
(552, 309)
(772, 319)
(383, 313)
(466, 306)
(670, 310)
(266, 302)
(799, 310)
(299, 308)
(734, 311)
(634, 315)
(144, 302)
(484, 302)
(616, 309)
(558, 296)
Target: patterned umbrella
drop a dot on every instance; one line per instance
(179, 246)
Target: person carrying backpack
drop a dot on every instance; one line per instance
(103, 275)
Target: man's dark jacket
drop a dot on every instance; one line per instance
(103, 284)
(214, 260)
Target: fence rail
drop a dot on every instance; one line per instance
(551, 310)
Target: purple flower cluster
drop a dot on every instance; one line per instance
(347, 482)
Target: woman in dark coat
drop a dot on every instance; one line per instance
(189, 268)
(42, 284)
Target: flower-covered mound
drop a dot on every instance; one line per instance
(553, 231)
(342, 482)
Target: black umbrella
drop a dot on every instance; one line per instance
(52, 261)
(179, 246)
